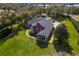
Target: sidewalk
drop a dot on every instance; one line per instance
(51, 40)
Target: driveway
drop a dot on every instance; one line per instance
(75, 17)
(56, 24)
(52, 37)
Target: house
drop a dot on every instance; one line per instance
(45, 34)
(42, 29)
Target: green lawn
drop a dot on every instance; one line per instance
(76, 24)
(20, 44)
(74, 36)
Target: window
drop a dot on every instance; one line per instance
(41, 37)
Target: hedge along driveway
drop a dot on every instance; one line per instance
(74, 36)
(75, 21)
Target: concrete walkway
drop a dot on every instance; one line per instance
(51, 40)
(52, 37)
(27, 33)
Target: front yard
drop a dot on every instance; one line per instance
(20, 44)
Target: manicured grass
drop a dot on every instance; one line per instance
(76, 24)
(74, 36)
(20, 44)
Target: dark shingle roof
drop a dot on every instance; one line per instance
(45, 32)
(35, 20)
(48, 25)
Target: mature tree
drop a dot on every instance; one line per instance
(61, 33)
(61, 42)
(12, 19)
(3, 20)
(19, 19)
(51, 11)
(26, 16)
(38, 10)
(8, 19)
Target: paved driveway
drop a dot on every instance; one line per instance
(56, 24)
(75, 17)
(52, 37)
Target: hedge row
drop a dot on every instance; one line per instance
(75, 23)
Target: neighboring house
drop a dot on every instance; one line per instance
(42, 28)
(1, 11)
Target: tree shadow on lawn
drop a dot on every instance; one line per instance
(2, 40)
(42, 44)
(3, 35)
(9, 35)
